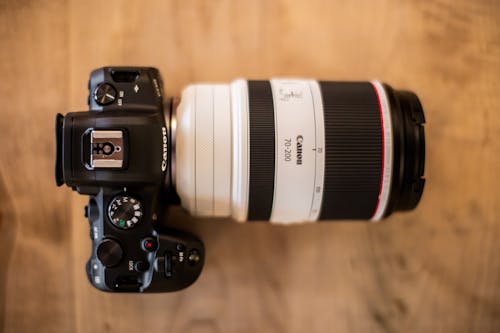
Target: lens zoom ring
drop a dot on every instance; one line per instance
(262, 151)
(353, 147)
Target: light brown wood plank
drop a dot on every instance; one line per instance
(432, 270)
(36, 292)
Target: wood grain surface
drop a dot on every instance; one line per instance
(436, 269)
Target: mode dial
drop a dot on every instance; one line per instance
(104, 94)
(125, 211)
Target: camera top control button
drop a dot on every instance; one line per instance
(109, 252)
(149, 244)
(104, 94)
(194, 257)
(141, 266)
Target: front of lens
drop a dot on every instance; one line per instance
(290, 150)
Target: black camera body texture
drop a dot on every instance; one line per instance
(117, 154)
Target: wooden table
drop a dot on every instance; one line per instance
(436, 269)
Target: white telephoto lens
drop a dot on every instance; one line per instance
(285, 150)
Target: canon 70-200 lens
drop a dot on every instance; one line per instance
(291, 150)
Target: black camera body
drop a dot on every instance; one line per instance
(282, 150)
(117, 154)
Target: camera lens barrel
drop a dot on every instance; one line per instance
(289, 150)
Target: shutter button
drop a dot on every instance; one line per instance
(149, 244)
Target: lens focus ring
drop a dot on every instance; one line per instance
(262, 150)
(353, 135)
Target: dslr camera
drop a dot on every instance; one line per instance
(285, 151)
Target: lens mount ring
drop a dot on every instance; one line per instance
(170, 117)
